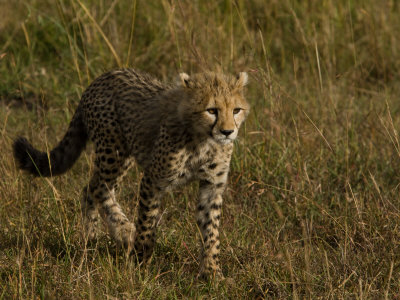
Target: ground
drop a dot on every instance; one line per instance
(312, 209)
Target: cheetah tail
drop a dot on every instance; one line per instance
(60, 159)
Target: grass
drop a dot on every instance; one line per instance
(312, 209)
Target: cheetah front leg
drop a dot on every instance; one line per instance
(149, 210)
(208, 220)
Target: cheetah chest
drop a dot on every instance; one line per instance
(185, 165)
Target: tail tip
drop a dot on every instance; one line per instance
(23, 153)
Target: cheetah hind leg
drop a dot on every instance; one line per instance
(102, 191)
(90, 216)
(119, 227)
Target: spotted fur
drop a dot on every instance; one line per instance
(176, 133)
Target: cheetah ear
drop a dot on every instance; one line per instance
(184, 78)
(242, 79)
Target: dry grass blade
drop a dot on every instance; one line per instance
(98, 28)
(319, 131)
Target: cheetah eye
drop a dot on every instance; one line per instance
(212, 111)
(236, 111)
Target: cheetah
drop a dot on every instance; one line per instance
(176, 133)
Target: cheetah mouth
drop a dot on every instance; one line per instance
(221, 139)
(224, 140)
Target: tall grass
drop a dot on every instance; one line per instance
(312, 210)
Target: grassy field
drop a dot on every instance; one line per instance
(312, 210)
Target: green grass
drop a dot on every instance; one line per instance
(313, 207)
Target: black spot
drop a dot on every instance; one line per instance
(206, 224)
(200, 207)
(154, 206)
(205, 182)
(148, 180)
(108, 151)
(221, 184)
(144, 207)
(215, 206)
(113, 219)
(212, 166)
(220, 173)
(144, 195)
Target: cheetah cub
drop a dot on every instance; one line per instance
(176, 133)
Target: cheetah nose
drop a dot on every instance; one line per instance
(226, 132)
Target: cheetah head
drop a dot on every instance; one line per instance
(215, 104)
